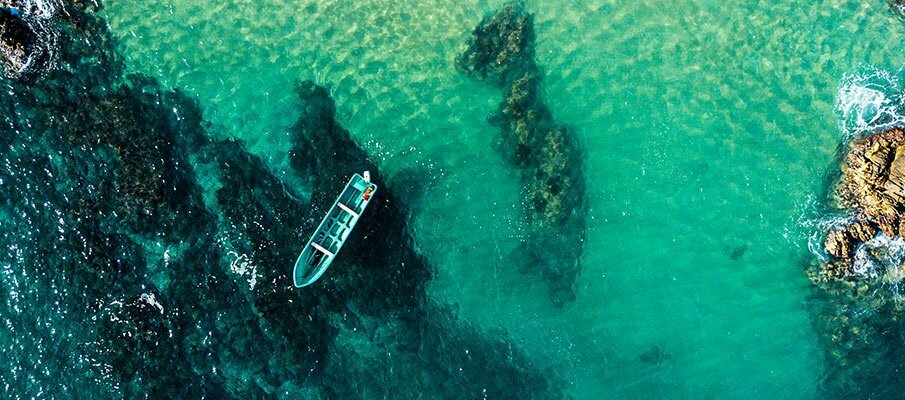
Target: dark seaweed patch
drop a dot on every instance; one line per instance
(546, 153)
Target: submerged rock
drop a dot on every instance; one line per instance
(546, 153)
(501, 44)
(17, 41)
(872, 187)
(736, 253)
(655, 356)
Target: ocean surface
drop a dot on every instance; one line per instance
(706, 131)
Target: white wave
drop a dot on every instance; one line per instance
(242, 266)
(868, 101)
(151, 300)
(41, 17)
(816, 224)
(44, 9)
(882, 257)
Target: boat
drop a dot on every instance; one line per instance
(333, 231)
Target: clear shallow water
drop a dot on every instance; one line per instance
(707, 129)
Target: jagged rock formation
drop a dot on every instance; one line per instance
(842, 241)
(874, 173)
(124, 220)
(546, 153)
(872, 185)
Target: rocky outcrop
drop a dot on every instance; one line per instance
(857, 313)
(871, 186)
(842, 241)
(546, 153)
(874, 177)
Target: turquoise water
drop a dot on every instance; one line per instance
(707, 129)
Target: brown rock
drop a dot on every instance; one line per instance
(873, 176)
(842, 242)
(889, 224)
(872, 185)
(895, 185)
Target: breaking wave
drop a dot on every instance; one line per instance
(42, 19)
(813, 223)
(868, 101)
(882, 257)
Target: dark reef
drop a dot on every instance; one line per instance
(872, 186)
(546, 153)
(127, 217)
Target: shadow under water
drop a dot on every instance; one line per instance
(144, 258)
(545, 152)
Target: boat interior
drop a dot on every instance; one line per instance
(339, 222)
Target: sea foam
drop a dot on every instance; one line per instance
(868, 100)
